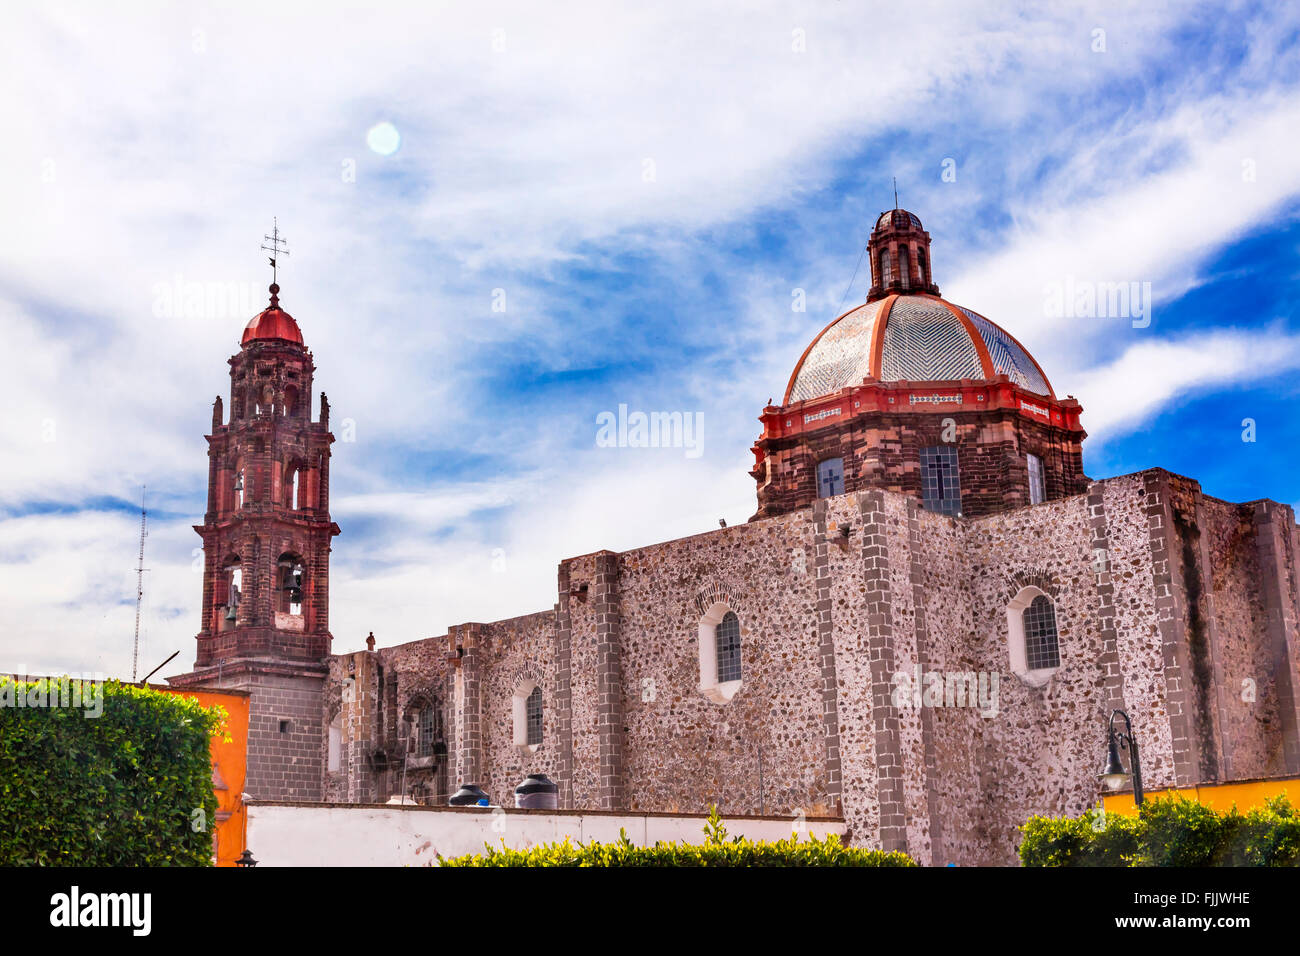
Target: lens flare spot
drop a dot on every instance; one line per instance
(384, 139)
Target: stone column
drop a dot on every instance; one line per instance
(609, 681)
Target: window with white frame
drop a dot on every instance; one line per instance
(533, 716)
(720, 642)
(727, 638)
(527, 710)
(1036, 493)
(334, 759)
(1034, 642)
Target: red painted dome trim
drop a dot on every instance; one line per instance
(878, 336)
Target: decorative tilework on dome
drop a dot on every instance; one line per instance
(1008, 357)
(925, 342)
(923, 339)
(841, 356)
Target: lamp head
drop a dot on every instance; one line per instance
(1114, 775)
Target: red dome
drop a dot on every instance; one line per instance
(273, 323)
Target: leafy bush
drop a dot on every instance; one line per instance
(717, 850)
(1172, 831)
(125, 781)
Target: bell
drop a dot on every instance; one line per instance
(295, 594)
(230, 612)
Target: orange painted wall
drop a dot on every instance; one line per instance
(229, 767)
(1246, 795)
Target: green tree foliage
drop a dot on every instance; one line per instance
(1172, 831)
(128, 786)
(717, 850)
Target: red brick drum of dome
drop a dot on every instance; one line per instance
(911, 393)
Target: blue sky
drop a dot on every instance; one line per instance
(647, 189)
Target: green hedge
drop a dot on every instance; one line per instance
(717, 850)
(121, 779)
(1172, 831)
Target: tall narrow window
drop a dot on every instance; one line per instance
(923, 270)
(886, 274)
(830, 477)
(904, 267)
(292, 583)
(533, 716)
(941, 480)
(428, 722)
(234, 581)
(1041, 648)
(334, 753)
(1036, 495)
(727, 638)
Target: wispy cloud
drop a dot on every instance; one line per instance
(642, 188)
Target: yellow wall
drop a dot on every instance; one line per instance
(229, 766)
(1246, 795)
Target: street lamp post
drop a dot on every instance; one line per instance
(1114, 775)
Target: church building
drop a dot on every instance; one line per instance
(923, 628)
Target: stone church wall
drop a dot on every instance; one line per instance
(683, 751)
(1163, 599)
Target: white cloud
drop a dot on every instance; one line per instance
(143, 146)
(1149, 375)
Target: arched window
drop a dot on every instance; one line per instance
(427, 729)
(1041, 649)
(922, 267)
(904, 267)
(727, 639)
(527, 712)
(1034, 643)
(533, 716)
(238, 486)
(291, 584)
(292, 485)
(885, 273)
(233, 581)
(720, 641)
(830, 477)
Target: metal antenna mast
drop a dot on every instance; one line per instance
(140, 569)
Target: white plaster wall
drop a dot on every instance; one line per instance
(297, 835)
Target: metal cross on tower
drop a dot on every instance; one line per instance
(278, 247)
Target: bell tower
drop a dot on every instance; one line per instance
(266, 546)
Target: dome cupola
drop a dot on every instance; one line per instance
(899, 249)
(273, 323)
(910, 393)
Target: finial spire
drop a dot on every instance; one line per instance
(895, 178)
(278, 247)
